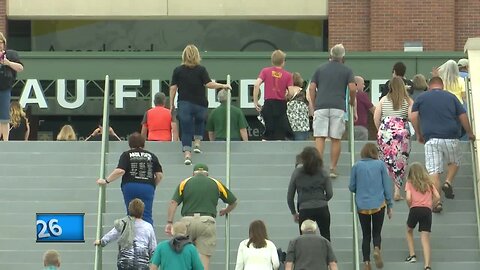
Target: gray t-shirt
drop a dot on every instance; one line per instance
(310, 252)
(332, 80)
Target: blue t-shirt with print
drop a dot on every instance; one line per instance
(439, 111)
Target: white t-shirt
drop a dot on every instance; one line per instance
(250, 258)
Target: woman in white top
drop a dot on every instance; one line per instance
(257, 252)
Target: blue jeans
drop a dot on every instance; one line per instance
(192, 119)
(144, 192)
(300, 135)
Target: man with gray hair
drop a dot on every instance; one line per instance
(310, 251)
(51, 260)
(217, 121)
(158, 123)
(328, 97)
(177, 253)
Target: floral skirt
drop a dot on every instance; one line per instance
(393, 140)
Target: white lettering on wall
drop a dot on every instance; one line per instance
(246, 100)
(155, 89)
(375, 89)
(62, 93)
(37, 98)
(120, 92)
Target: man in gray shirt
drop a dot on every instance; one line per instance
(328, 95)
(310, 251)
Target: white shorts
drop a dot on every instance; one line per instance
(436, 150)
(329, 123)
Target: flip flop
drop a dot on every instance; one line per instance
(438, 208)
(448, 190)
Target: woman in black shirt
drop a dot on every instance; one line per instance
(190, 80)
(140, 171)
(19, 125)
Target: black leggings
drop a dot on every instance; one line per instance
(320, 215)
(371, 225)
(274, 113)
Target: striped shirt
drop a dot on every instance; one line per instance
(387, 109)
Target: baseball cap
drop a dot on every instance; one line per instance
(200, 167)
(463, 62)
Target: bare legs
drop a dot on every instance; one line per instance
(425, 239)
(335, 150)
(5, 130)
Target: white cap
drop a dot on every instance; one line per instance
(463, 62)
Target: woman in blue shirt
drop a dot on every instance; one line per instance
(370, 182)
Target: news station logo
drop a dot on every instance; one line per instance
(60, 227)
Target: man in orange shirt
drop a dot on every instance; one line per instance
(158, 122)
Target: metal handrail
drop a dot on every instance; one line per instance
(227, 176)
(351, 143)
(473, 150)
(102, 188)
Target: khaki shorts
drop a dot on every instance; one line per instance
(202, 232)
(329, 123)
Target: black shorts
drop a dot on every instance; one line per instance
(422, 216)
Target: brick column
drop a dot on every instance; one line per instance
(467, 21)
(349, 23)
(429, 21)
(3, 17)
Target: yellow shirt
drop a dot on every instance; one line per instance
(458, 89)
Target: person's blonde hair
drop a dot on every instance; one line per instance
(419, 82)
(297, 79)
(16, 114)
(398, 92)
(2, 38)
(51, 258)
(309, 225)
(278, 57)
(449, 74)
(191, 56)
(419, 178)
(66, 134)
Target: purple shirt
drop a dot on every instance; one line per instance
(363, 106)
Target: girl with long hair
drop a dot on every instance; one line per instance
(314, 189)
(370, 182)
(19, 125)
(421, 196)
(257, 252)
(393, 138)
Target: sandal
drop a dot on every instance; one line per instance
(428, 268)
(438, 208)
(448, 190)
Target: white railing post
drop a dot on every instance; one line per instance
(101, 188)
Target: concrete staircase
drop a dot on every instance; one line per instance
(60, 177)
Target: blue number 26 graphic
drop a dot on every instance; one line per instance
(60, 227)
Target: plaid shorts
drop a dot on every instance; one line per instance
(438, 150)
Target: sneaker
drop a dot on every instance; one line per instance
(448, 190)
(377, 256)
(196, 149)
(187, 161)
(333, 173)
(428, 268)
(411, 259)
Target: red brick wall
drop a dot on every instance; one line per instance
(384, 25)
(3, 17)
(467, 21)
(349, 23)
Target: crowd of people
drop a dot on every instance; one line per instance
(435, 111)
